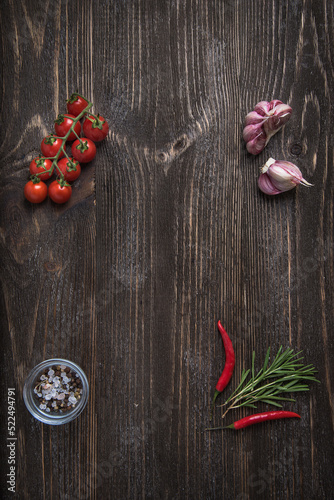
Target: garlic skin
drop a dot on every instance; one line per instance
(263, 122)
(278, 176)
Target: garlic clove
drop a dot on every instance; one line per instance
(254, 118)
(273, 104)
(280, 115)
(266, 185)
(263, 108)
(256, 145)
(283, 112)
(251, 132)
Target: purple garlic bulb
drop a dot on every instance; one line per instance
(263, 122)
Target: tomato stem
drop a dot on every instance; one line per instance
(35, 178)
(55, 164)
(80, 95)
(76, 135)
(96, 120)
(82, 146)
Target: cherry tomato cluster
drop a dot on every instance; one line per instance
(55, 160)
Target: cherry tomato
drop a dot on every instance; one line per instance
(83, 150)
(60, 192)
(70, 168)
(41, 166)
(50, 146)
(35, 192)
(95, 128)
(63, 125)
(76, 104)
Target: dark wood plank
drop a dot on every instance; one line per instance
(166, 233)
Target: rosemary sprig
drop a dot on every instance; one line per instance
(286, 374)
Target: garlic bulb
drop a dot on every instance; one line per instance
(263, 122)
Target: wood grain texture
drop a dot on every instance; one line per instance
(165, 234)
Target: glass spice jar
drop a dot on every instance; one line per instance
(56, 391)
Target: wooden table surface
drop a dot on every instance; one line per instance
(167, 232)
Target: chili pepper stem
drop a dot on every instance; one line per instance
(216, 394)
(231, 426)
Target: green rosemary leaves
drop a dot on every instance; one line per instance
(286, 374)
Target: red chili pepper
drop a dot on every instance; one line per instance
(257, 418)
(229, 363)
